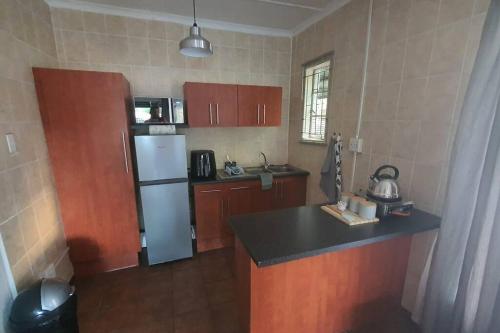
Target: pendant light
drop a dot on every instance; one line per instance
(195, 45)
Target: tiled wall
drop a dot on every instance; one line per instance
(420, 60)
(148, 55)
(29, 218)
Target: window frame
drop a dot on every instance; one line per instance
(329, 56)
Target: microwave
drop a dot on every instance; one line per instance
(154, 111)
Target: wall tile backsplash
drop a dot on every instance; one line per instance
(420, 59)
(29, 216)
(147, 52)
(421, 56)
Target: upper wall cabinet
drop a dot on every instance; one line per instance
(227, 105)
(211, 104)
(259, 106)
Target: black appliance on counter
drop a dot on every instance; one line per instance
(203, 164)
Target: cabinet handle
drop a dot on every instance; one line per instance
(209, 191)
(258, 114)
(210, 112)
(222, 209)
(239, 188)
(217, 112)
(125, 157)
(264, 114)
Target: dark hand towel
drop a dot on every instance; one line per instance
(329, 174)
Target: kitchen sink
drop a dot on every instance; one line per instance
(256, 170)
(280, 168)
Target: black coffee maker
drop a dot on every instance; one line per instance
(203, 165)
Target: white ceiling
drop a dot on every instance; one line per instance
(283, 17)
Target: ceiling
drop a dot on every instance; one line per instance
(282, 16)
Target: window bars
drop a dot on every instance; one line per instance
(316, 85)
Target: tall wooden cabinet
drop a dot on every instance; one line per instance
(85, 120)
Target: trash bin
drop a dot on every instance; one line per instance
(47, 307)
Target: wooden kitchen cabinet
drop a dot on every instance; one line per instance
(291, 192)
(259, 105)
(85, 121)
(211, 214)
(216, 203)
(211, 104)
(229, 105)
(243, 197)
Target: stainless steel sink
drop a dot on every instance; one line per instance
(256, 170)
(280, 168)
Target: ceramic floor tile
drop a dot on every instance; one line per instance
(188, 296)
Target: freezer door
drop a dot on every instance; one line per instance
(161, 157)
(166, 221)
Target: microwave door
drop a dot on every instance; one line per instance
(177, 111)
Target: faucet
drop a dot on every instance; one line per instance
(266, 164)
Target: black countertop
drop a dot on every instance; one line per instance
(278, 236)
(222, 177)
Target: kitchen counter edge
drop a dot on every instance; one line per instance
(428, 222)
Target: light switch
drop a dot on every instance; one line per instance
(11, 143)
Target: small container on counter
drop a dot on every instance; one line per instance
(367, 209)
(346, 197)
(354, 204)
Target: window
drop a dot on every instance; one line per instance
(316, 85)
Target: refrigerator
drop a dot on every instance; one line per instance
(164, 196)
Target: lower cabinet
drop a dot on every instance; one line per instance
(215, 203)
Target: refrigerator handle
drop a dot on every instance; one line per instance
(125, 157)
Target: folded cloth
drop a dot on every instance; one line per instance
(266, 181)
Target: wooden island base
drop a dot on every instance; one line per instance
(331, 293)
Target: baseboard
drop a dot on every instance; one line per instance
(108, 264)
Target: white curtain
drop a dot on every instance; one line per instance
(464, 277)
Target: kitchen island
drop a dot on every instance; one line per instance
(302, 270)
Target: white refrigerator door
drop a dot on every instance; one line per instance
(161, 157)
(167, 222)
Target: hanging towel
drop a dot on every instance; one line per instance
(338, 165)
(331, 176)
(266, 180)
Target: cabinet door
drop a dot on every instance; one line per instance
(249, 108)
(225, 106)
(270, 101)
(243, 198)
(293, 191)
(90, 157)
(211, 104)
(209, 209)
(200, 98)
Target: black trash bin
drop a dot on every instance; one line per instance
(47, 307)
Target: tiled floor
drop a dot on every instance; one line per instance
(190, 296)
(194, 295)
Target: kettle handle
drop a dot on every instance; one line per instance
(377, 172)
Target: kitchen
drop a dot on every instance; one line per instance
(396, 80)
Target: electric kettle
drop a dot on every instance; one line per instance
(384, 186)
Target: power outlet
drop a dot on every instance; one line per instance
(356, 145)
